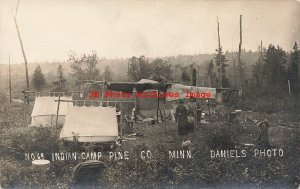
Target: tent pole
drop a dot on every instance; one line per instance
(9, 78)
(121, 125)
(57, 114)
(157, 107)
(51, 119)
(208, 110)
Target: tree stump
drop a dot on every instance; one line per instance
(263, 139)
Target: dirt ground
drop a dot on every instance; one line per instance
(161, 171)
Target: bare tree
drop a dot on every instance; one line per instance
(240, 66)
(219, 50)
(84, 67)
(21, 43)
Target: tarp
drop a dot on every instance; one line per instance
(91, 124)
(184, 92)
(151, 84)
(142, 85)
(147, 106)
(147, 81)
(45, 110)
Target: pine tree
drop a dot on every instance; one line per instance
(258, 68)
(221, 60)
(275, 60)
(60, 84)
(38, 79)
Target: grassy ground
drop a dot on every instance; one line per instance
(160, 171)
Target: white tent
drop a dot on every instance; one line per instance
(45, 110)
(91, 124)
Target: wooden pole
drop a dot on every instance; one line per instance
(208, 110)
(234, 74)
(23, 52)
(22, 47)
(194, 77)
(289, 87)
(261, 61)
(239, 55)
(57, 111)
(198, 78)
(157, 107)
(9, 78)
(219, 54)
(121, 108)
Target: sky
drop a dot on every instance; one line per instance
(50, 29)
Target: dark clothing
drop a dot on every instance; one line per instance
(193, 110)
(140, 87)
(181, 119)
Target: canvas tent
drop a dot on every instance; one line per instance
(45, 110)
(91, 124)
(147, 107)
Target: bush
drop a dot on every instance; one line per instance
(224, 137)
(9, 173)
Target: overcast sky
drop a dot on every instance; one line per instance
(50, 29)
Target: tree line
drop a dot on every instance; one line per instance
(274, 69)
(85, 67)
(277, 70)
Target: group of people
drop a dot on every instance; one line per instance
(187, 117)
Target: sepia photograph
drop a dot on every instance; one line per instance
(150, 94)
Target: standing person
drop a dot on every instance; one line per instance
(192, 106)
(181, 117)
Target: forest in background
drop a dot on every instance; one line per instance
(269, 66)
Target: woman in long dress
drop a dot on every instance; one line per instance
(181, 118)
